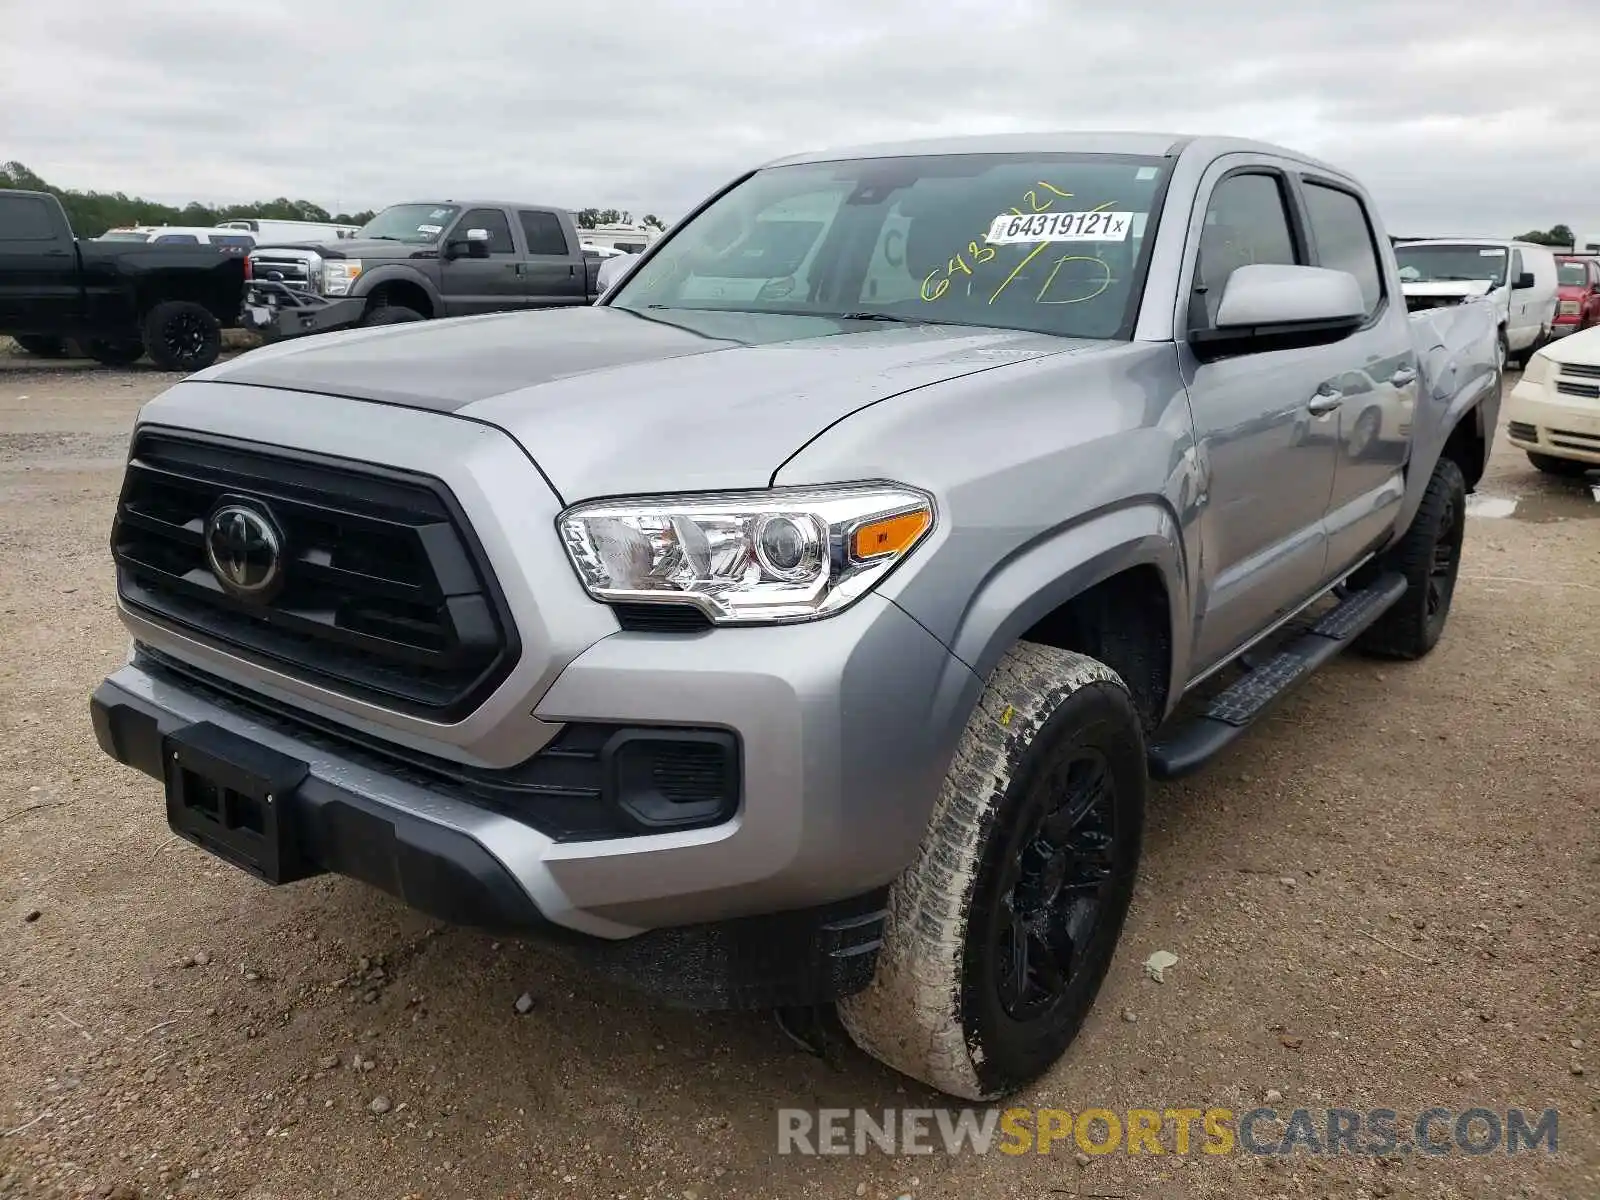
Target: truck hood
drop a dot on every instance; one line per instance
(1459, 289)
(609, 401)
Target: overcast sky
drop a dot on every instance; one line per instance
(1462, 116)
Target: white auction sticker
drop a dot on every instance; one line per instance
(430, 228)
(1097, 226)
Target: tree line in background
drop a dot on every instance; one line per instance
(92, 213)
(1556, 235)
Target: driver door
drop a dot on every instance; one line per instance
(1267, 457)
(480, 285)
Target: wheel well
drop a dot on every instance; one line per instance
(1125, 622)
(402, 294)
(1466, 447)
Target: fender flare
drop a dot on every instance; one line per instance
(1468, 404)
(1066, 562)
(371, 281)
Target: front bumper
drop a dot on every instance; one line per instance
(1549, 422)
(277, 311)
(390, 833)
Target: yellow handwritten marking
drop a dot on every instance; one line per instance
(958, 264)
(980, 254)
(1066, 258)
(1032, 254)
(1005, 717)
(944, 286)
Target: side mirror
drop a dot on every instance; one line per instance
(474, 245)
(1269, 306)
(1524, 282)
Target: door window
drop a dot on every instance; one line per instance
(493, 220)
(543, 233)
(1516, 267)
(25, 219)
(1247, 222)
(1343, 235)
(177, 239)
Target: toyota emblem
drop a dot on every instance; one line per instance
(245, 551)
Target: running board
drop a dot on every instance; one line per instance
(1185, 748)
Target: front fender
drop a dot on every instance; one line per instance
(1044, 574)
(370, 281)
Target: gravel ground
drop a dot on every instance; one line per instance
(1385, 897)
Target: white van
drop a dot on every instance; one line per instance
(1518, 277)
(281, 232)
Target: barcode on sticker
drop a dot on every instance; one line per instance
(1098, 226)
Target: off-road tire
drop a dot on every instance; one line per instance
(180, 335)
(390, 314)
(1429, 556)
(1565, 467)
(43, 347)
(113, 354)
(934, 1008)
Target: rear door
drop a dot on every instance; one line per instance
(1266, 459)
(38, 268)
(480, 285)
(1379, 389)
(553, 273)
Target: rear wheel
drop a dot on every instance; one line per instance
(390, 314)
(180, 335)
(114, 353)
(1505, 352)
(1429, 556)
(43, 347)
(1001, 930)
(1552, 465)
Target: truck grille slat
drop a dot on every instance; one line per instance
(384, 597)
(1582, 370)
(1589, 391)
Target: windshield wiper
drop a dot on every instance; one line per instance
(878, 316)
(379, 237)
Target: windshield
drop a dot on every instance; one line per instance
(415, 223)
(1046, 242)
(1571, 274)
(1451, 264)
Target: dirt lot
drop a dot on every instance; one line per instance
(1387, 897)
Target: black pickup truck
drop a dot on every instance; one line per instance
(117, 300)
(446, 258)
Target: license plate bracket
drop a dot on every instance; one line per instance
(236, 799)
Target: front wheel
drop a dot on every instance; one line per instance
(390, 314)
(1001, 930)
(180, 335)
(43, 347)
(1429, 556)
(113, 353)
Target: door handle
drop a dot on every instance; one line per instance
(1404, 377)
(1325, 401)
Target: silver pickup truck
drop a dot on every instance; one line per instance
(803, 624)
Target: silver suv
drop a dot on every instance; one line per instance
(802, 623)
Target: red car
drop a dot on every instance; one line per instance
(1578, 291)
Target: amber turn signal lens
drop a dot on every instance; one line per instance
(889, 535)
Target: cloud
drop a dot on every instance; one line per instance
(1455, 124)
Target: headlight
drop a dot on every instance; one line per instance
(339, 275)
(1538, 369)
(760, 557)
